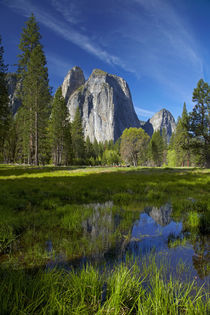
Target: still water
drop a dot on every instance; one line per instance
(113, 235)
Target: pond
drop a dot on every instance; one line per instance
(106, 234)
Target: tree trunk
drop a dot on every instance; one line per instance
(36, 157)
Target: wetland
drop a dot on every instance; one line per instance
(104, 240)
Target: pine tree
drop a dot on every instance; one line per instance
(30, 38)
(156, 148)
(182, 140)
(59, 129)
(35, 94)
(5, 114)
(165, 144)
(11, 142)
(78, 143)
(200, 122)
(89, 150)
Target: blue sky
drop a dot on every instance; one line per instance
(160, 47)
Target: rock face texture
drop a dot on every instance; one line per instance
(13, 84)
(161, 215)
(105, 104)
(162, 119)
(74, 79)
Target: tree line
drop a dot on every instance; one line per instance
(41, 131)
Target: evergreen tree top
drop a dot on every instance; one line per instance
(30, 38)
(3, 67)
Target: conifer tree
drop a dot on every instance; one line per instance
(165, 144)
(30, 38)
(89, 148)
(59, 129)
(78, 143)
(156, 148)
(34, 93)
(200, 122)
(5, 114)
(182, 139)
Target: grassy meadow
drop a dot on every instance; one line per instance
(46, 211)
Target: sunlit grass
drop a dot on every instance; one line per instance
(38, 205)
(142, 289)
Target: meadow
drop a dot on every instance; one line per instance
(64, 235)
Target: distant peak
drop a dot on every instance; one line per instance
(163, 110)
(75, 69)
(73, 80)
(98, 72)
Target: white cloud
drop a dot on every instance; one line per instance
(174, 30)
(68, 10)
(66, 31)
(144, 112)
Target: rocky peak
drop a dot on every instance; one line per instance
(161, 120)
(105, 104)
(74, 79)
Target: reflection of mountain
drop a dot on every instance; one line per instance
(147, 234)
(161, 215)
(103, 230)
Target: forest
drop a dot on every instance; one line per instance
(41, 133)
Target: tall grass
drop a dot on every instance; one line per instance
(123, 290)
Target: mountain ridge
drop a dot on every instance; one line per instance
(105, 104)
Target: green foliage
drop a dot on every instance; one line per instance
(171, 158)
(133, 147)
(165, 145)
(5, 114)
(182, 140)
(156, 148)
(59, 131)
(200, 122)
(30, 38)
(11, 141)
(89, 149)
(110, 157)
(78, 143)
(35, 95)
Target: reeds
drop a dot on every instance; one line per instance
(123, 290)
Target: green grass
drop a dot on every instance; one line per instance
(38, 204)
(123, 290)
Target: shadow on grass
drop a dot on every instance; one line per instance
(19, 170)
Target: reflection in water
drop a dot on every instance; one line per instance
(105, 234)
(160, 215)
(104, 231)
(148, 235)
(111, 240)
(156, 231)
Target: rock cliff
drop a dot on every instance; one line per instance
(13, 84)
(74, 79)
(105, 104)
(162, 119)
